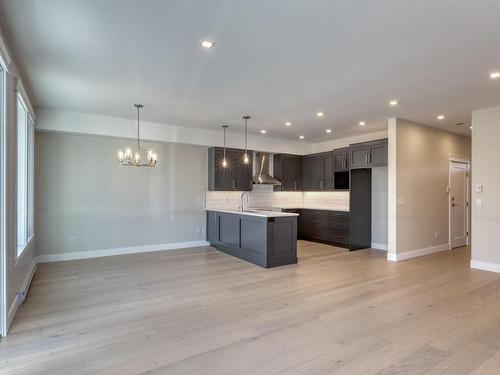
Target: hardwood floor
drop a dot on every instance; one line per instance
(199, 311)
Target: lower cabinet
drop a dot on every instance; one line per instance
(265, 241)
(330, 227)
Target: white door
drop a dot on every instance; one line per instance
(458, 204)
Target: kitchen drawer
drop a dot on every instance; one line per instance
(317, 222)
(340, 237)
(314, 213)
(320, 234)
(340, 222)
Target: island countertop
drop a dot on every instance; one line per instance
(259, 213)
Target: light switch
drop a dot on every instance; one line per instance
(479, 188)
(479, 203)
(401, 201)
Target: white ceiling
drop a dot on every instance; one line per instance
(280, 60)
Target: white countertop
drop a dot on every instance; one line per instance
(256, 213)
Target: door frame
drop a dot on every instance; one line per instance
(3, 201)
(466, 161)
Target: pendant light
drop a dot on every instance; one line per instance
(224, 160)
(246, 158)
(126, 159)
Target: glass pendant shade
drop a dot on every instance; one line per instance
(224, 160)
(246, 158)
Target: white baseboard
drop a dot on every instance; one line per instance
(485, 266)
(379, 246)
(25, 284)
(392, 257)
(396, 257)
(12, 312)
(21, 294)
(118, 251)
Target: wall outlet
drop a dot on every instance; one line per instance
(198, 230)
(203, 230)
(72, 239)
(436, 235)
(479, 203)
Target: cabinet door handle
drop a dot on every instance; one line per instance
(343, 163)
(366, 158)
(295, 185)
(233, 184)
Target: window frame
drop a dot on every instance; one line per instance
(3, 199)
(27, 227)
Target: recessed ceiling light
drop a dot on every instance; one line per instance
(207, 44)
(328, 131)
(320, 114)
(393, 102)
(362, 123)
(301, 137)
(440, 117)
(495, 75)
(263, 131)
(288, 123)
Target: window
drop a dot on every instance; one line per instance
(25, 159)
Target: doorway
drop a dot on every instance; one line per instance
(459, 204)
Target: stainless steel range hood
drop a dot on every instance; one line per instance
(262, 174)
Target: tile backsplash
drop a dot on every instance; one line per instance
(263, 196)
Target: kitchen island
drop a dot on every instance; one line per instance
(265, 238)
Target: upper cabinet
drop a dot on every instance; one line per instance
(318, 171)
(341, 168)
(288, 170)
(235, 176)
(341, 159)
(369, 154)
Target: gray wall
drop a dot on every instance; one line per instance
(86, 201)
(419, 203)
(486, 218)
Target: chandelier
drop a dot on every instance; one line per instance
(128, 158)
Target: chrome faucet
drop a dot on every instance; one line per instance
(244, 199)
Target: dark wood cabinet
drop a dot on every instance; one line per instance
(326, 226)
(379, 154)
(341, 159)
(288, 170)
(212, 227)
(318, 171)
(235, 176)
(265, 241)
(369, 154)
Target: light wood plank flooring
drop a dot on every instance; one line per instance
(199, 311)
